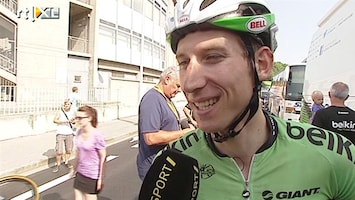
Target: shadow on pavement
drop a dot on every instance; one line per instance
(50, 153)
(53, 196)
(103, 198)
(129, 121)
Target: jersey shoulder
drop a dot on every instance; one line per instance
(191, 143)
(313, 145)
(331, 145)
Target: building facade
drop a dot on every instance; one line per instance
(112, 50)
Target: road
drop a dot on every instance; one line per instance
(121, 180)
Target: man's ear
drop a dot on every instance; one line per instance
(167, 80)
(264, 61)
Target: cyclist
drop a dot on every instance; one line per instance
(224, 49)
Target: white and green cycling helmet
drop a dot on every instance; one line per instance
(246, 16)
(251, 19)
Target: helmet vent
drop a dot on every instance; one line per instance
(185, 3)
(206, 3)
(252, 9)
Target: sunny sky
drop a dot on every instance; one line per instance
(297, 21)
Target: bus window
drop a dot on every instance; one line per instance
(294, 87)
(285, 93)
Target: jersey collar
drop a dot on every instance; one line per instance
(274, 131)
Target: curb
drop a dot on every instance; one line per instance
(114, 140)
(43, 163)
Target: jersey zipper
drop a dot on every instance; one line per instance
(246, 193)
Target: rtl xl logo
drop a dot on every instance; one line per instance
(39, 13)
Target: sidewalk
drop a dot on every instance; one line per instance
(24, 154)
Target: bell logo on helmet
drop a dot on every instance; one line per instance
(184, 19)
(257, 25)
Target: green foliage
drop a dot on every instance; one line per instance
(278, 67)
(306, 112)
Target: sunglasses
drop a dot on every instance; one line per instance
(80, 118)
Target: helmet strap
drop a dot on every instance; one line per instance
(251, 109)
(253, 105)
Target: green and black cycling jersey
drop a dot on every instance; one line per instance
(300, 161)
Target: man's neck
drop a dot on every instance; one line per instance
(160, 88)
(250, 139)
(243, 146)
(338, 103)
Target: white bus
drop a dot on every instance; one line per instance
(285, 95)
(331, 53)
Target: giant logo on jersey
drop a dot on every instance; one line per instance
(269, 195)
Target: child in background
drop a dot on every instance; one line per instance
(317, 98)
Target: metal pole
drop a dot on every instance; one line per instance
(141, 67)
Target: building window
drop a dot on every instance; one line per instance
(77, 79)
(102, 21)
(136, 44)
(148, 9)
(108, 35)
(156, 53)
(147, 48)
(123, 39)
(126, 2)
(10, 4)
(156, 14)
(162, 18)
(7, 45)
(162, 53)
(117, 74)
(138, 6)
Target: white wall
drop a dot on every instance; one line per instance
(117, 14)
(42, 45)
(127, 93)
(331, 54)
(78, 66)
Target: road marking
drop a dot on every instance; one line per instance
(44, 187)
(134, 139)
(110, 157)
(54, 183)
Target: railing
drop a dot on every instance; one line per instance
(18, 100)
(10, 4)
(14, 100)
(7, 64)
(78, 44)
(85, 1)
